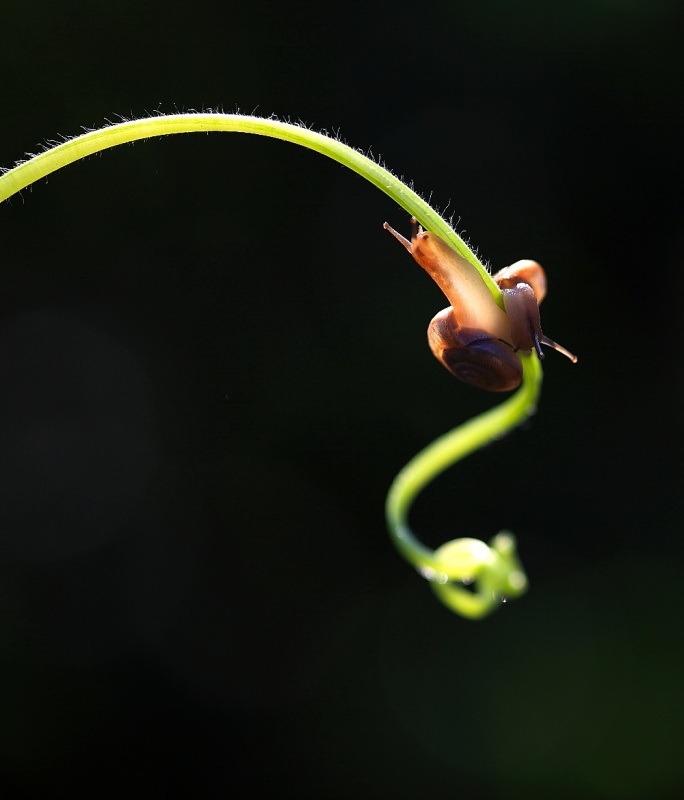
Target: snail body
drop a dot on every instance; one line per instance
(474, 338)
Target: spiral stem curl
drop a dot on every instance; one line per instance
(493, 570)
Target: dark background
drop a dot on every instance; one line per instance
(213, 361)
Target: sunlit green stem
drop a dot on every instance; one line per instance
(39, 166)
(494, 569)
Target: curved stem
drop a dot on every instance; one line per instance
(471, 561)
(494, 569)
(39, 166)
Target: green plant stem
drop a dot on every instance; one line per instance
(431, 462)
(445, 451)
(494, 569)
(91, 142)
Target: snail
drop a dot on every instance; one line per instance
(474, 338)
